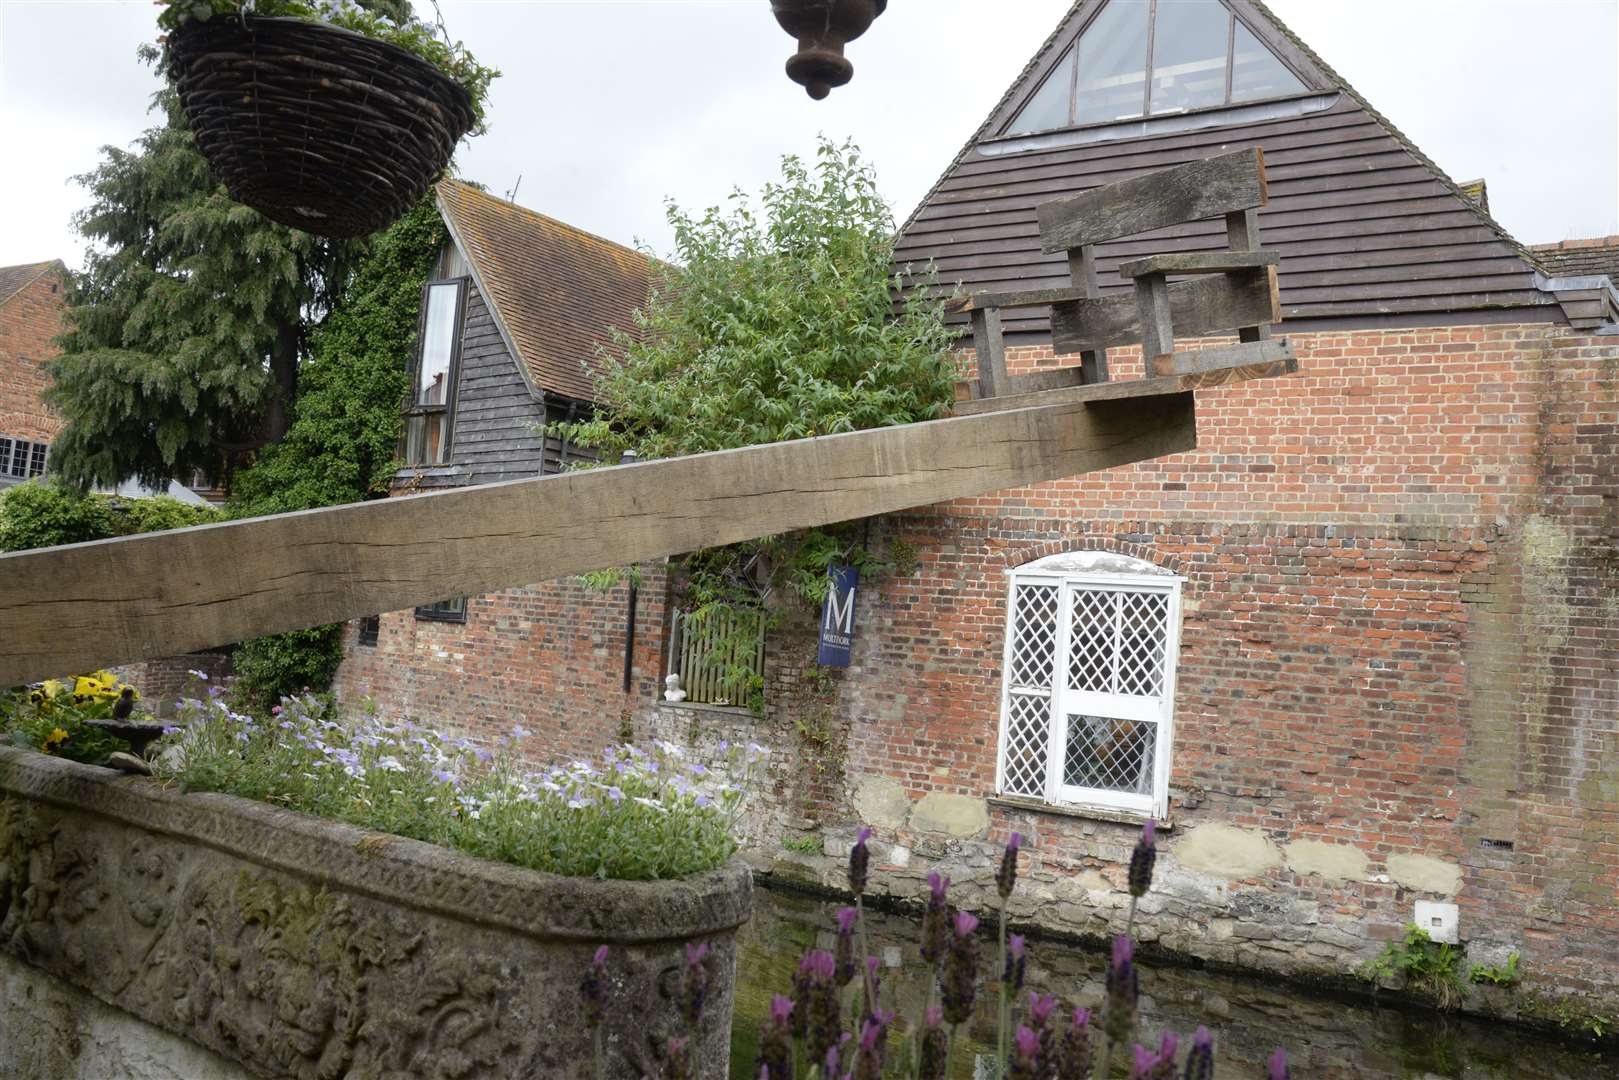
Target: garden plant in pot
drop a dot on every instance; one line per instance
(329, 116)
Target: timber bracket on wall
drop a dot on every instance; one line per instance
(83, 606)
(1230, 290)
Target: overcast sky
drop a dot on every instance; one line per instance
(609, 106)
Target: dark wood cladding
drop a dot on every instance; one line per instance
(1363, 226)
(495, 412)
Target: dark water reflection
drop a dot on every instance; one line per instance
(1326, 1038)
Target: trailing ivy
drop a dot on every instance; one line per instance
(342, 445)
(773, 324)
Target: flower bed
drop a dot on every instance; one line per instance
(310, 948)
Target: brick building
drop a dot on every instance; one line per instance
(1359, 650)
(33, 301)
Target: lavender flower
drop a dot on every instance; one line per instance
(1141, 860)
(844, 950)
(935, 1044)
(859, 862)
(1276, 1067)
(1016, 963)
(873, 1046)
(1040, 1009)
(695, 989)
(1200, 1059)
(1025, 1055)
(1123, 990)
(678, 1064)
(1006, 876)
(936, 921)
(868, 1009)
(775, 1045)
(594, 988)
(1074, 1052)
(959, 983)
(820, 1023)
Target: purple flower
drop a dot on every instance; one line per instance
(1025, 1055)
(1040, 1009)
(1141, 860)
(819, 1023)
(678, 1064)
(1016, 962)
(1123, 990)
(694, 991)
(844, 950)
(935, 920)
(1200, 1059)
(873, 1046)
(1006, 876)
(966, 922)
(775, 1041)
(859, 862)
(935, 1041)
(1074, 1052)
(594, 988)
(1276, 1067)
(959, 982)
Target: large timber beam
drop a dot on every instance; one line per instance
(82, 606)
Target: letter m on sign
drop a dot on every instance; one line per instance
(837, 618)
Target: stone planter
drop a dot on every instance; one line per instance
(293, 946)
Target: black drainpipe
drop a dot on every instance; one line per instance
(629, 611)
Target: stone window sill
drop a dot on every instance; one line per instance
(1084, 813)
(703, 706)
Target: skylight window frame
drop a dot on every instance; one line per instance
(1069, 58)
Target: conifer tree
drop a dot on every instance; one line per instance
(189, 321)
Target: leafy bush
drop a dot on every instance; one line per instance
(1428, 966)
(635, 816)
(1504, 975)
(42, 513)
(284, 665)
(386, 20)
(54, 717)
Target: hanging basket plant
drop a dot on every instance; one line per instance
(326, 116)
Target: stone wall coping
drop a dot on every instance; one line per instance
(393, 869)
(1088, 813)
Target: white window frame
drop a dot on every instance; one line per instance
(1062, 700)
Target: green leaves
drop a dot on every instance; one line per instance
(775, 323)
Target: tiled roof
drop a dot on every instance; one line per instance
(556, 291)
(1580, 258)
(14, 278)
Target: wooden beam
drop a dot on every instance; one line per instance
(1082, 271)
(1191, 192)
(1220, 357)
(1152, 312)
(1202, 305)
(1096, 394)
(1027, 298)
(989, 348)
(1198, 262)
(83, 606)
(1242, 234)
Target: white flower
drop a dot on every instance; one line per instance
(652, 803)
(390, 764)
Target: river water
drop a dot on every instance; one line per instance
(1326, 1037)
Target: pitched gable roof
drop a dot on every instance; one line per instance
(1367, 226)
(1596, 257)
(556, 291)
(13, 279)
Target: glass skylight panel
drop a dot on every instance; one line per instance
(1049, 107)
(1189, 55)
(1113, 63)
(1255, 71)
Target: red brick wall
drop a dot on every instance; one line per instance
(1401, 636)
(29, 323)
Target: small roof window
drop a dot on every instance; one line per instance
(1150, 57)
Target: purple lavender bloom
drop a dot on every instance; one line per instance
(1200, 1059)
(1040, 1009)
(934, 1044)
(1006, 876)
(936, 920)
(844, 950)
(1123, 990)
(959, 982)
(694, 992)
(1016, 962)
(775, 1041)
(1142, 859)
(594, 988)
(1025, 1055)
(678, 1064)
(873, 1046)
(820, 1023)
(859, 863)
(1074, 1052)
(1276, 1067)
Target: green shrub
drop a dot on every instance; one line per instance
(1505, 975)
(286, 665)
(1428, 966)
(42, 513)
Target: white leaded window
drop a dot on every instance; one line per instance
(1088, 701)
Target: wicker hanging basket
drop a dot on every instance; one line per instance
(314, 126)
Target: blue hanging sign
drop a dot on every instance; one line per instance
(837, 617)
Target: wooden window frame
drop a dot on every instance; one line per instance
(369, 631)
(1071, 55)
(1055, 792)
(452, 375)
(29, 450)
(434, 613)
